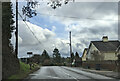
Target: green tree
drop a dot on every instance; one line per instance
(57, 3)
(30, 9)
(56, 56)
(7, 27)
(9, 60)
(45, 56)
(36, 58)
(78, 60)
(76, 55)
(72, 57)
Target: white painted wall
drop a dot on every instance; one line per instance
(105, 56)
(84, 56)
(92, 48)
(110, 56)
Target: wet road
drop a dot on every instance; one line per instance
(61, 72)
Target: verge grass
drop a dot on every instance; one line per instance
(24, 71)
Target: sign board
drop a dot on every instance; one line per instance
(29, 53)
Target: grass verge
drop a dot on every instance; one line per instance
(24, 71)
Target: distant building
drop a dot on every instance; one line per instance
(103, 50)
(84, 54)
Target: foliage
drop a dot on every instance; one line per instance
(57, 3)
(72, 57)
(62, 59)
(45, 55)
(76, 55)
(24, 67)
(47, 62)
(78, 60)
(24, 71)
(7, 27)
(36, 58)
(9, 60)
(43, 59)
(56, 56)
(29, 9)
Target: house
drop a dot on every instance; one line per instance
(84, 54)
(118, 52)
(103, 50)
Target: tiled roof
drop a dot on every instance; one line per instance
(109, 46)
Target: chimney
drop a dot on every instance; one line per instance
(105, 39)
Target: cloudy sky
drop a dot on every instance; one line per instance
(88, 21)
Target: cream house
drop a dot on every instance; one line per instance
(84, 54)
(103, 50)
(118, 51)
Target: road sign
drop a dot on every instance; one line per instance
(29, 53)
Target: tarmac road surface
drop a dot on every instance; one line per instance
(65, 73)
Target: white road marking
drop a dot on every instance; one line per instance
(97, 76)
(53, 77)
(69, 75)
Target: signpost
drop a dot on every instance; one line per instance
(30, 53)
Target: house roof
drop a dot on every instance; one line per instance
(118, 49)
(109, 46)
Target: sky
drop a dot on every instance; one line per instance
(88, 21)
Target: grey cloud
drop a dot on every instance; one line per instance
(82, 10)
(86, 31)
(45, 36)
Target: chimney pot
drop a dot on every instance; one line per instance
(105, 39)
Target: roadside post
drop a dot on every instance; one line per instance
(30, 62)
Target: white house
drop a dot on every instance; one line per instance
(118, 51)
(103, 50)
(84, 54)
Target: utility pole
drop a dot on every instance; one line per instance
(70, 48)
(16, 32)
(70, 44)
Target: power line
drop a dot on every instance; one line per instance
(93, 12)
(29, 28)
(72, 17)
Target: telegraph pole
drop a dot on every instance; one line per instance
(70, 49)
(16, 32)
(70, 44)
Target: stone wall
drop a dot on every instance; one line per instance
(101, 65)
